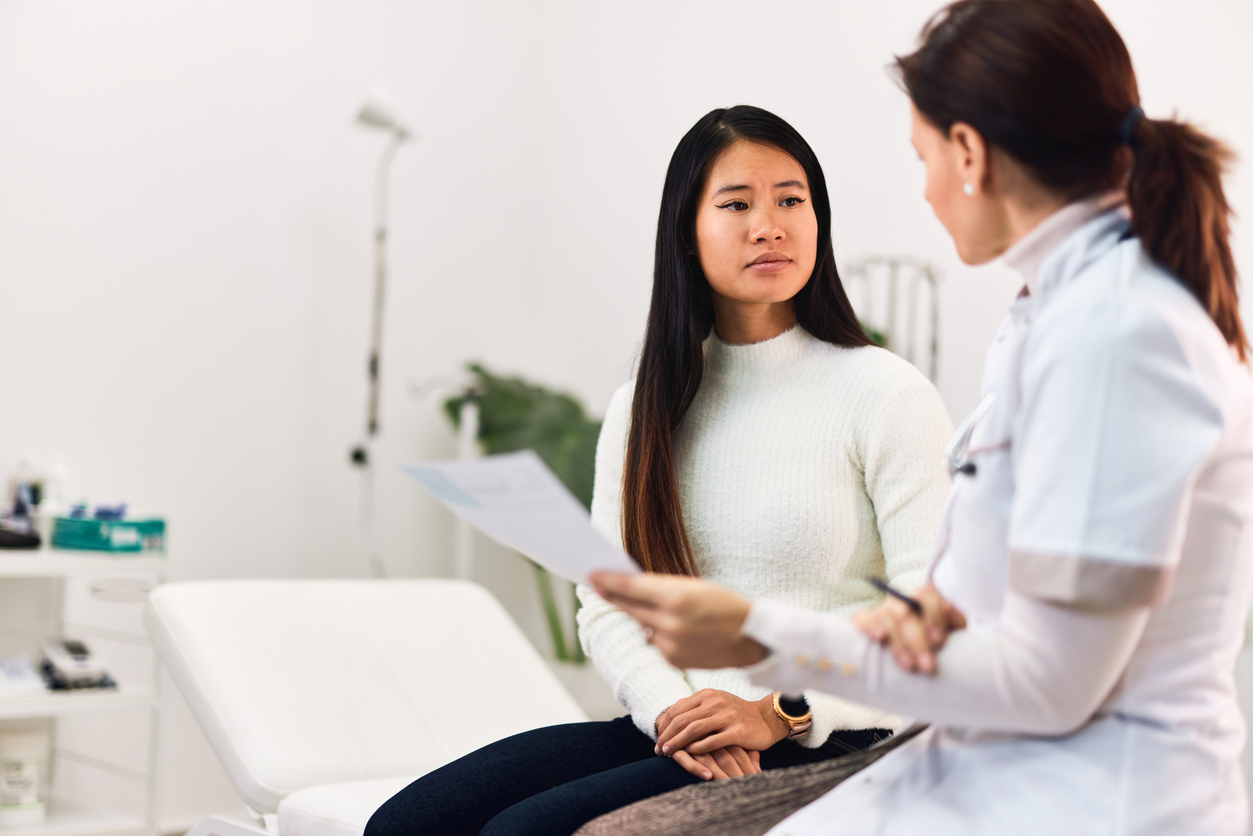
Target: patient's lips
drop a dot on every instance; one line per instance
(771, 262)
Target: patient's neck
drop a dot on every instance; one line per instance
(744, 323)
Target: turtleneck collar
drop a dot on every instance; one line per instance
(1029, 252)
(730, 363)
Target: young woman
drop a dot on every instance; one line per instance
(1098, 538)
(764, 444)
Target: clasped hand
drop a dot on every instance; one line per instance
(714, 734)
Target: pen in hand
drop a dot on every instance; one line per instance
(883, 586)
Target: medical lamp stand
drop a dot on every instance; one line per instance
(362, 454)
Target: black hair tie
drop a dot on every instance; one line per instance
(1126, 131)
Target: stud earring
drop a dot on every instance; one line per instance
(969, 189)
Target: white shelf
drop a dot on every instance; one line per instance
(71, 703)
(68, 819)
(83, 589)
(52, 563)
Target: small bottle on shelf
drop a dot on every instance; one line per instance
(24, 749)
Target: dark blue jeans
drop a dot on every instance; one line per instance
(553, 781)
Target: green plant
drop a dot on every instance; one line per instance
(517, 415)
(876, 336)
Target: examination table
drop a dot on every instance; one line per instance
(323, 698)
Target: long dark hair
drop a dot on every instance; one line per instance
(681, 315)
(1050, 82)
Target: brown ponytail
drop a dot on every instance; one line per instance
(1050, 82)
(1180, 213)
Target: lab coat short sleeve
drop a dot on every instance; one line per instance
(1111, 428)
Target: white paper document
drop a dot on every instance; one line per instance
(517, 501)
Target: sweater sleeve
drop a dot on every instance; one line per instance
(902, 449)
(640, 677)
(903, 459)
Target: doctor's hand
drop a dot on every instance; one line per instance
(710, 720)
(694, 623)
(913, 640)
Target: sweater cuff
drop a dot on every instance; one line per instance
(649, 700)
(832, 714)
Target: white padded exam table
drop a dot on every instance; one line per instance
(323, 698)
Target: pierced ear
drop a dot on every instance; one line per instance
(973, 149)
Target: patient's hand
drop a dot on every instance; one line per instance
(914, 641)
(710, 720)
(727, 762)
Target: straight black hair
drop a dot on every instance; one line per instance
(680, 318)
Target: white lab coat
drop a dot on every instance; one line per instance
(1114, 468)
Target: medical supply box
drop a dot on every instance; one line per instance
(141, 534)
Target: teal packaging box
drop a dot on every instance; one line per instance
(123, 536)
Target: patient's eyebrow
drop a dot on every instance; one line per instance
(786, 184)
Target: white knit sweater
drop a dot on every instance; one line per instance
(803, 469)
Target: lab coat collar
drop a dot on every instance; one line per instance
(1039, 254)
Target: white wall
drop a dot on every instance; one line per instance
(185, 233)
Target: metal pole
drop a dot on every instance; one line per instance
(380, 282)
(363, 454)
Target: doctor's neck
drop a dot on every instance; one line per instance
(1016, 203)
(1024, 215)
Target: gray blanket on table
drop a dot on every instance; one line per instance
(747, 806)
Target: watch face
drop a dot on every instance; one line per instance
(793, 708)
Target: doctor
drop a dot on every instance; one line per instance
(1097, 545)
